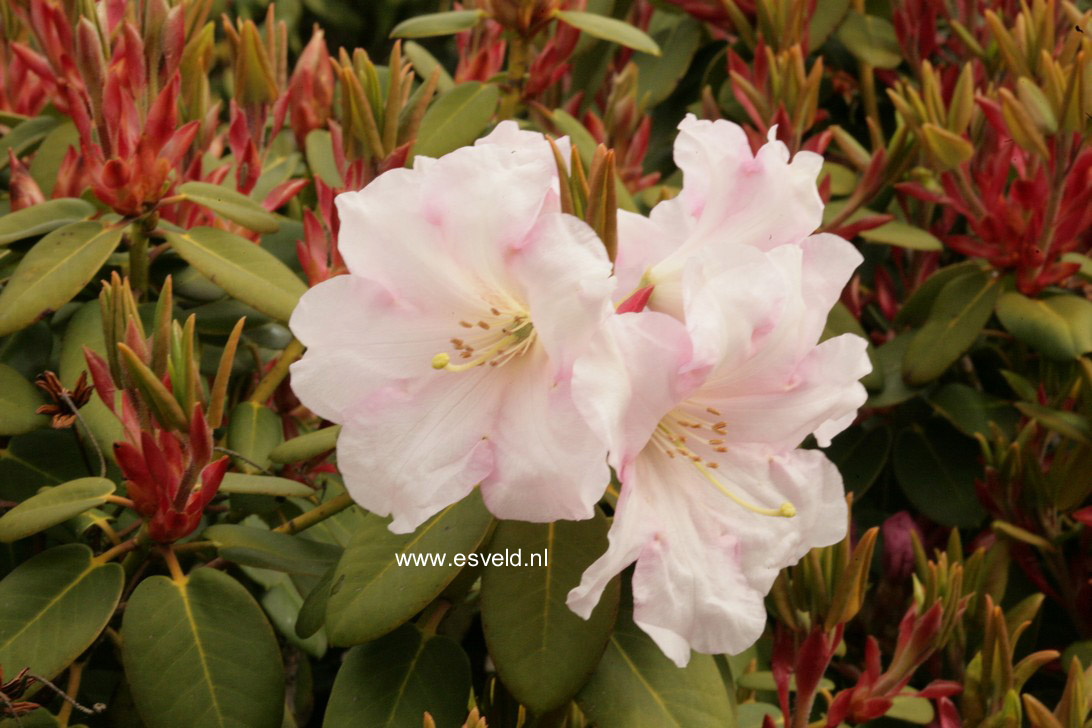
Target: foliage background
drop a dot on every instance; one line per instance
(956, 134)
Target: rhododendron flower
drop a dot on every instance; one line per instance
(704, 401)
(447, 352)
(730, 197)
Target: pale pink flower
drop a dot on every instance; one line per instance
(446, 353)
(704, 401)
(730, 198)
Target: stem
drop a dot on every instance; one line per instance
(75, 674)
(138, 259)
(119, 500)
(316, 515)
(276, 375)
(517, 67)
(175, 568)
(433, 615)
(122, 548)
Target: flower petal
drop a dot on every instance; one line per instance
(415, 447)
(548, 464)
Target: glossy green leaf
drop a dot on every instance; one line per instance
(889, 357)
(972, 411)
(424, 63)
(43, 218)
(229, 204)
(201, 653)
(52, 506)
(253, 431)
(1059, 327)
(609, 29)
(841, 321)
(961, 309)
(18, 401)
(55, 605)
(636, 686)
(543, 651)
(860, 455)
(312, 614)
(306, 446)
(580, 137)
(657, 77)
(904, 236)
(320, 158)
(1082, 260)
(263, 485)
(827, 16)
(265, 549)
(245, 270)
(54, 270)
(24, 136)
(916, 309)
(392, 682)
(911, 709)
(1070, 424)
(85, 329)
(456, 119)
(282, 602)
(372, 593)
(871, 39)
(936, 469)
(45, 165)
(43, 457)
(432, 24)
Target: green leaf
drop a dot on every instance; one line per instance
(1082, 260)
(372, 594)
(45, 165)
(947, 148)
(827, 16)
(580, 137)
(246, 271)
(904, 236)
(282, 602)
(24, 136)
(391, 682)
(962, 308)
(18, 401)
(889, 359)
(753, 715)
(972, 411)
(609, 29)
(916, 309)
(936, 469)
(841, 321)
(432, 24)
(425, 63)
(320, 158)
(306, 446)
(265, 549)
(1060, 327)
(200, 652)
(871, 39)
(312, 614)
(263, 485)
(636, 686)
(54, 270)
(764, 680)
(860, 455)
(40, 718)
(55, 606)
(229, 204)
(657, 77)
(85, 329)
(1069, 424)
(843, 180)
(43, 218)
(52, 506)
(543, 651)
(253, 431)
(911, 709)
(456, 119)
(43, 457)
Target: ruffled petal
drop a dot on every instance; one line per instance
(548, 464)
(704, 563)
(564, 274)
(633, 372)
(415, 447)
